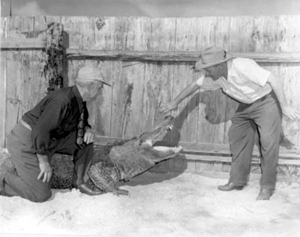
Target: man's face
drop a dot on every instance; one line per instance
(95, 89)
(215, 72)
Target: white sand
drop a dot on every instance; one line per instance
(159, 205)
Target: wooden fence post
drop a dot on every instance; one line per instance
(53, 69)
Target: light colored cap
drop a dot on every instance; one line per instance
(212, 56)
(86, 74)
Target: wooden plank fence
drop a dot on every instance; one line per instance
(148, 61)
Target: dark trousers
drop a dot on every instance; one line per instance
(264, 115)
(26, 184)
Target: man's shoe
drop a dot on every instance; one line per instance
(264, 194)
(84, 188)
(230, 186)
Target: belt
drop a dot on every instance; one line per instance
(26, 125)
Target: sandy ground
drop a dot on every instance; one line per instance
(159, 205)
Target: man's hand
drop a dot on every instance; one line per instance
(45, 168)
(290, 112)
(164, 108)
(88, 135)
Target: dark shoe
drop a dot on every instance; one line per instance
(230, 186)
(264, 194)
(84, 188)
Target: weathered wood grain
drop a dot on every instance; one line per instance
(18, 67)
(3, 78)
(188, 38)
(148, 61)
(177, 56)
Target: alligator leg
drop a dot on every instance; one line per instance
(105, 176)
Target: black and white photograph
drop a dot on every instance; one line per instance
(153, 118)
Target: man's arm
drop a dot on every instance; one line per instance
(190, 89)
(277, 87)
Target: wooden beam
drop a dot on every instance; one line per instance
(28, 43)
(217, 152)
(224, 159)
(177, 56)
(158, 56)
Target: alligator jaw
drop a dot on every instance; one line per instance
(150, 142)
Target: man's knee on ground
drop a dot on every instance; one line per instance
(40, 197)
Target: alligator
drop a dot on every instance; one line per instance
(114, 162)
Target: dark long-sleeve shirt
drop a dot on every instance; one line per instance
(54, 117)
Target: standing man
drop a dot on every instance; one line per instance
(57, 124)
(261, 104)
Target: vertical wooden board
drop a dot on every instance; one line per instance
(123, 89)
(187, 112)
(159, 36)
(104, 38)
(103, 33)
(3, 78)
(242, 34)
(24, 82)
(18, 69)
(265, 31)
(14, 84)
(215, 32)
(162, 34)
(121, 99)
(157, 75)
(36, 77)
(18, 27)
(135, 39)
(41, 23)
(2, 97)
(222, 32)
(50, 19)
(134, 78)
(208, 32)
(36, 84)
(128, 35)
(3, 28)
(265, 34)
(292, 91)
(127, 101)
(152, 87)
(118, 33)
(290, 41)
(188, 33)
(289, 74)
(157, 85)
(81, 32)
